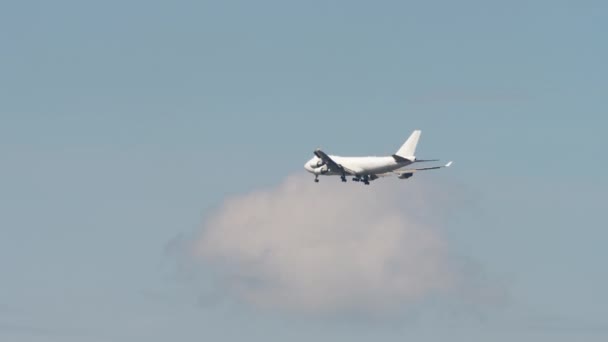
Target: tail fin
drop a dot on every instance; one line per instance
(408, 150)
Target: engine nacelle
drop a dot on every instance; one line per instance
(321, 170)
(315, 164)
(406, 175)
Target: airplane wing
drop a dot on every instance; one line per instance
(422, 169)
(331, 164)
(425, 160)
(407, 173)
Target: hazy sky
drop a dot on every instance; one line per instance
(126, 125)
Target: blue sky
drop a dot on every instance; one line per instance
(123, 124)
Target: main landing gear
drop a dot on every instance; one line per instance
(365, 180)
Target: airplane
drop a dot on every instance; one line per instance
(366, 169)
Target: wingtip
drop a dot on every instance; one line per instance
(448, 164)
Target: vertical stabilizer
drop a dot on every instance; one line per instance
(408, 150)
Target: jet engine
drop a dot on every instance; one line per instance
(316, 164)
(321, 170)
(406, 175)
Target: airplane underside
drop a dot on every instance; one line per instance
(364, 178)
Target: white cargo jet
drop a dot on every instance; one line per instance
(365, 169)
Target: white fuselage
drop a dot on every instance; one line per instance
(362, 166)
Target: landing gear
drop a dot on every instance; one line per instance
(363, 179)
(343, 178)
(316, 179)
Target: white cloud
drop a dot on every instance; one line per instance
(328, 246)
